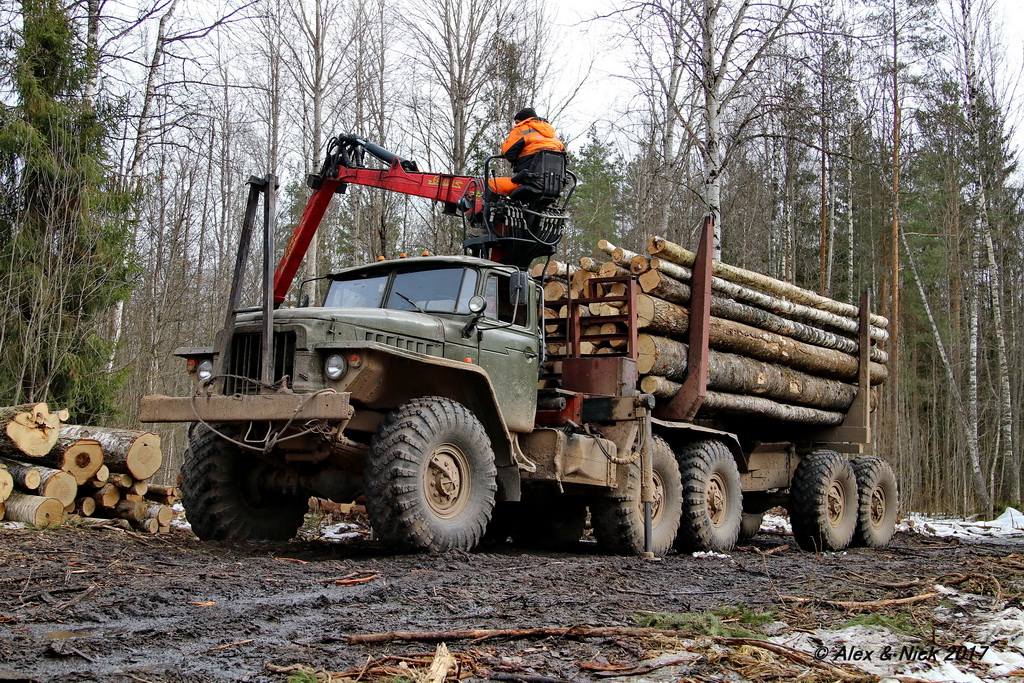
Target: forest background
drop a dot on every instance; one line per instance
(840, 144)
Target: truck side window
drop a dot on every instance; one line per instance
(499, 305)
(365, 292)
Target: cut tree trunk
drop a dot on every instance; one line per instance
(6, 484)
(132, 510)
(148, 526)
(658, 284)
(124, 450)
(25, 476)
(612, 269)
(161, 513)
(662, 248)
(101, 477)
(663, 317)
(81, 457)
(121, 480)
(739, 374)
(29, 430)
(168, 495)
(623, 257)
(107, 497)
(85, 506)
(719, 403)
(58, 484)
(769, 303)
(35, 510)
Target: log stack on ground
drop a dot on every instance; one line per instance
(49, 470)
(777, 351)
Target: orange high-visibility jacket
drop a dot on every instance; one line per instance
(526, 139)
(529, 137)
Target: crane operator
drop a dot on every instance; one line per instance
(529, 135)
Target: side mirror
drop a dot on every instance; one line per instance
(518, 286)
(304, 301)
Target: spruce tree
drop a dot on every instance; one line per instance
(65, 239)
(597, 204)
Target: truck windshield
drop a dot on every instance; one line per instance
(439, 290)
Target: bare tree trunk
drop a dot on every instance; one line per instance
(966, 416)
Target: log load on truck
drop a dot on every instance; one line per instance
(670, 398)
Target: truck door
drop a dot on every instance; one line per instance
(510, 349)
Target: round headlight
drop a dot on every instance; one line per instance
(204, 370)
(335, 367)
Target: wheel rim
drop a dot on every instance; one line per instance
(835, 504)
(446, 481)
(717, 499)
(658, 504)
(876, 509)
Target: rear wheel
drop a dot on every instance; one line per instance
(823, 502)
(619, 522)
(712, 497)
(430, 477)
(223, 496)
(878, 500)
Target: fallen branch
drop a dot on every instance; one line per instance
(356, 578)
(869, 605)
(794, 655)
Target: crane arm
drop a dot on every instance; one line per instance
(343, 165)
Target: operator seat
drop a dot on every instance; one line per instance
(542, 180)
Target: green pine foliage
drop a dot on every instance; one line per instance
(598, 203)
(65, 237)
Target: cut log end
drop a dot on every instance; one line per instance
(35, 510)
(31, 429)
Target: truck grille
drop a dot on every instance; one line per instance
(417, 345)
(245, 360)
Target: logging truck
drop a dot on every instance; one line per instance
(668, 399)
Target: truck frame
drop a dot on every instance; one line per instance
(414, 384)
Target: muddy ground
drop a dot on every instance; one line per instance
(109, 605)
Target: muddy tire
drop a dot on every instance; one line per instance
(222, 496)
(555, 523)
(878, 500)
(712, 497)
(823, 502)
(430, 478)
(750, 524)
(619, 522)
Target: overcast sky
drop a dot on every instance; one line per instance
(580, 42)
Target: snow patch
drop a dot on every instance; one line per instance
(1010, 524)
(179, 521)
(776, 523)
(345, 531)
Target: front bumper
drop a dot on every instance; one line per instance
(247, 408)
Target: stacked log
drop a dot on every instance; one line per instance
(776, 350)
(51, 472)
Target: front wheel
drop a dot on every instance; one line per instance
(223, 496)
(823, 502)
(619, 522)
(430, 477)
